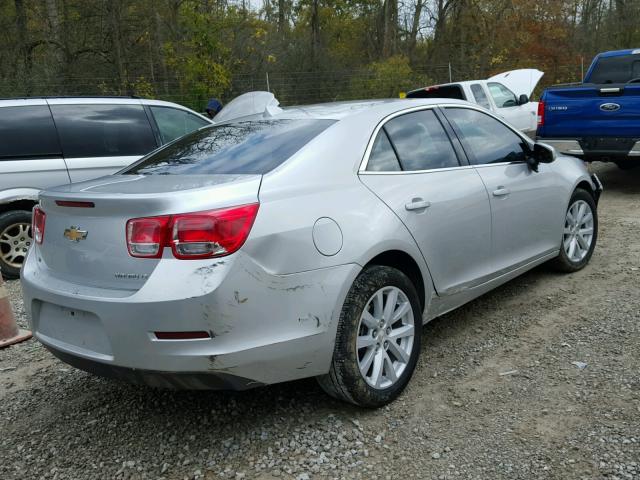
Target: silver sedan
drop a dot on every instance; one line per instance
(303, 242)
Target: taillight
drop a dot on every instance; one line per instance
(146, 237)
(213, 233)
(38, 223)
(540, 114)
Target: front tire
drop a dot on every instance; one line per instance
(378, 339)
(15, 240)
(580, 233)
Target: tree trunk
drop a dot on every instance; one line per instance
(282, 6)
(315, 32)
(390, 28)
(158, 43)
(54, 23)
(415, 27)
(23, 49)
(114, 12)
(443, 8)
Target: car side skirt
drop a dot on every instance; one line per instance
(447, 303)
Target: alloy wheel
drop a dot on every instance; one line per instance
(385, 337)
(15, 241)
(578, 231)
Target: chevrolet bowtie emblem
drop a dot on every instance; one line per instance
(74, 234)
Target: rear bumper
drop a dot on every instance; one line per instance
(597, 148)
(264, 328)
(158, 379)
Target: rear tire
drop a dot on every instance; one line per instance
(627, 164)
(378, 339)
(15, 240)
(580, 233)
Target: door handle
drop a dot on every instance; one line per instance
(417, 204)
(501, 192)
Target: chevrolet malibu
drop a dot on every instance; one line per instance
(303, 242)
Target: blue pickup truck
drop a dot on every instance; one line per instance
(599, 119)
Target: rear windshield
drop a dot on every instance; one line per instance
(619, 69)
(251, 147)
(447, 91)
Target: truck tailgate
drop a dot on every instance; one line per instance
(592, 111)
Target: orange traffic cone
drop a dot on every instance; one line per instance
(9, 331)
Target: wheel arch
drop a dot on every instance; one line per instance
(17, 205)
(585, 185)
(406, 264)
(18, 199)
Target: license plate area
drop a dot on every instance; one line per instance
(72, 329)
(609, 144)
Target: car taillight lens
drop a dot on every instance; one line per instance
(146, 237)
(38, 222)
(540, 114)
(213, 233)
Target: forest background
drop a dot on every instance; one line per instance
(304, 51)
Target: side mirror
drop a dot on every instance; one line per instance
(544, 153)
(541, 153)
(522, 99)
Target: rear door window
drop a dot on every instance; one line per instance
(251, 147)
(27, 132)
(421, 142)
(103, 130)
(382, 157)
(479, 95)
(174, 123)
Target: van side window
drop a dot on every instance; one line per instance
(174, 123)
(103, 130)
(27, 132)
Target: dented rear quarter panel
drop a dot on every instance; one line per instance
(323, 183)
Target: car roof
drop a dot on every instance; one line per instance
(92, 100)
(342, 110)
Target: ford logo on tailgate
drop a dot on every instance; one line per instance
(609, 107)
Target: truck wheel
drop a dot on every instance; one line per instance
(15, 240)
(580, 233)
(627, 164)
(378, 339)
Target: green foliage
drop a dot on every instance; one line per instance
(313, 50)
(386, 79)
(200, 55)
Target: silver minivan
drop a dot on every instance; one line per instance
(46, 142)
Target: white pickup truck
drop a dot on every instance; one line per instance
(506, 95)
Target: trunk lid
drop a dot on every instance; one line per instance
(592, 110)
(100, 258)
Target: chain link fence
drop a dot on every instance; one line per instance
(291, 88)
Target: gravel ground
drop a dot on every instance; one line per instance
(496, 394)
